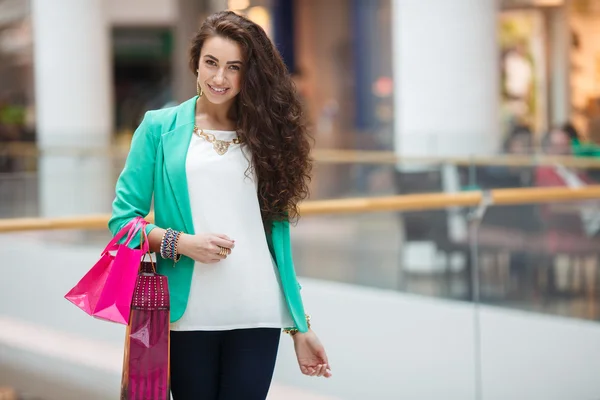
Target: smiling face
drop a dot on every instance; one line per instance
(220, 69)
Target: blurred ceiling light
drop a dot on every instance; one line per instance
(383, 87)
(548, 3)
(260, 16)
(238, 4)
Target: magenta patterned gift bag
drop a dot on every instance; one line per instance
(146, 358)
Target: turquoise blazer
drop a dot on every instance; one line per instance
(156, 166)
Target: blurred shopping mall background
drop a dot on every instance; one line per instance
(450, 248)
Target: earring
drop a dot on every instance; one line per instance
(198, 89)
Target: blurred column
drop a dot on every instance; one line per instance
(560, 42)
(446, 75)
(191, 14)
(72, 67)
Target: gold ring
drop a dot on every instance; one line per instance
(222, 251)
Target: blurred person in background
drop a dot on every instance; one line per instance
(227, 169)
(583, 148)
(518, 143)
(517, 217)
(571, 132)
(558, 143)
(555, 143)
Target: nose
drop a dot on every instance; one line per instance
(218, 79)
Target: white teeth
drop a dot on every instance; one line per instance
(217, 90)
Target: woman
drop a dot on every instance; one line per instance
(227, 169)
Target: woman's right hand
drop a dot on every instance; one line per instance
(204, 248)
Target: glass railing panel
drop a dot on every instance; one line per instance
(425, 253)
(542, 258)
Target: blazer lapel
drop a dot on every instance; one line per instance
(175, 147)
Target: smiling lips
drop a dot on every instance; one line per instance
(217, 90)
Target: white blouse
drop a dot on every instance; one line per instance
(244, 290)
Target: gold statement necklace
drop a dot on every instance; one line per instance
(220, 146)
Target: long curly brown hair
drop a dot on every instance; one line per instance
(268, 113)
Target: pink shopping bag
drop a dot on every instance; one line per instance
(106, 291)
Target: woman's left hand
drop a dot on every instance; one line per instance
(311, 355)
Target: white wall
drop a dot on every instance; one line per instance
(382, 344)
(536, 357)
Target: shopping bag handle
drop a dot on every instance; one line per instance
(146, 248)
(140, 224)
(132, 227)
(144, 241)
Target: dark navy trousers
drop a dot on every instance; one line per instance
(223, 365)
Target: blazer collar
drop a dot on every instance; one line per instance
(175, 147)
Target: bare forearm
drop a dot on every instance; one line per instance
(155, 238)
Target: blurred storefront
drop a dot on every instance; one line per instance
(16, 86)
(550, 52)
(142, 73)
(369, 76)
(584, 59)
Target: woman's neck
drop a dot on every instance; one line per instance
(213, 116)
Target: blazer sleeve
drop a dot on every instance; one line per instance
(135, 186)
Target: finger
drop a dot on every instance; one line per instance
(313, 371)
(223, 241)
(317, 371)
(221, 252)
(218, 251)
(328, 373)
(304, 370)
(321, 370)
(223, 236)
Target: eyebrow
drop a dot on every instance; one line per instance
(228, 62)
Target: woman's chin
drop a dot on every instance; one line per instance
(218, 99)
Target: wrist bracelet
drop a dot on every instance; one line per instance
(293, 331)
(162, 245)
(176, 255)
(165, 244)
(168, 245)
